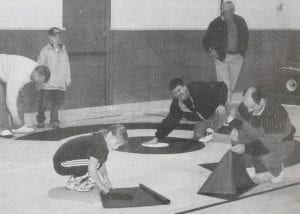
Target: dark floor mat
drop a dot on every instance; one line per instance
(133, 197)
(61, 133)
(176, 145)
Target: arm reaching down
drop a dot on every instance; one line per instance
(68, 72)
(93, 163)
(104, 175)
(12, 92)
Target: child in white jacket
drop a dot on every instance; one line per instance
(54, 55)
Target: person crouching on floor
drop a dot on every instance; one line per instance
(83, 158)
(264, 133)
(199, 101)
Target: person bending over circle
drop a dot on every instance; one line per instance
(83, 158)
(202, 102)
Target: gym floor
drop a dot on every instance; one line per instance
(29, 183)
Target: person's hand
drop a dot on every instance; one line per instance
(107, 183)
(151, 142)
(239, 148)
(221, 110)
(213, 53)
(234, 135)
(104, 190)
(68, 83)
(17, 120)
(183, 107)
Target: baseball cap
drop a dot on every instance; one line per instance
(54, 31)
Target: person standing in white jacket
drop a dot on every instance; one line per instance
(15, 72)
(55, 56)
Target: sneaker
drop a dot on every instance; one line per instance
(23, 129)
(230, 119)
(251, 172)
(40, 125)
(208, 136)
(55, 125)
(6, 134)
(260, 178)
(91, 180)
(71, 182)
(279, 178)
(81, 184)
(84, 186)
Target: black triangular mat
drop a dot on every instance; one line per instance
(209, 166)
(229, 179)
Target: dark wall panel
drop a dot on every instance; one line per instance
(88, 81)
(26, 43)
(85, 22)
(141, 63)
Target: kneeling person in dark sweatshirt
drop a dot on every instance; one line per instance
(202, 102)
(264, 133)
(83, 158)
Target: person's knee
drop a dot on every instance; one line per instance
(273, 163)
(276, 169)
(197, 135)
(172, 122)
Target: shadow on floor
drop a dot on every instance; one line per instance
(61, 193)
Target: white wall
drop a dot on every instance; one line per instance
(270, 14)
(162, 14)
(197, 14)
(33, 14)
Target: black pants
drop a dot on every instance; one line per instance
(66, 160)
(75, 167)
(70, 167)
(56, 99)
